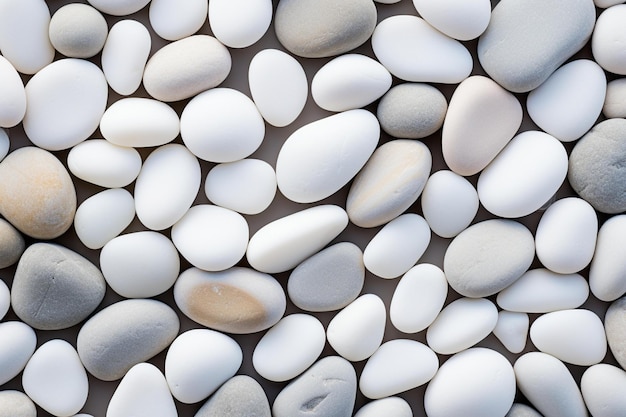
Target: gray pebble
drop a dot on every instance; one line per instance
(78, 30)
(240, 396)
(597, 166)
(16, 404)
(326, 389)
(522, 410)
(323, 28)
(328, 280)
(412, 110)
(615, 100)
(616, 330)
(125, 334)
(11, 244)
(55, 288)
(528, 40)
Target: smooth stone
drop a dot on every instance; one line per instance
(140, 264)
(78, 30)
(512, 330)
(5, 144)
(329, 280)
(391, 406)
(397, 246)
(247, 186)
(241, 396)
(278, 86)
(459, 19)
(66, 100)
(596, 166)
(488, 256)
(16, 404)
(284, 243)
(357, 331)
(526, 42)
(328, 388)
(124, 334)
(349, 82)
(522, 410)
(18, 344)
(318, 29)
(461, 324)
(24, 34)
(478, 382)
(412, 110)
(602, 386)
(12, 245)
(125, 54)
(12, 96)
(210, 237)
(221, 125)
(289, 347)
(198, 362)
(118, 7)
(143, 392)
(397, 366)
(603, 4)
(139, 122)
(186, 67)
(389, 183)
(615, 100)
(321, 157)
(238, 300)
(54, 287)
(236, 29)
(189, 18)
(413, 50)
(5, 299)
(608, 34)
(549, 386)
(103, 216)
(608, 269)
(614, 329)
(167, 186)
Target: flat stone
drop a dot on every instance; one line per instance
(615, 330)
(78, 30)
(522, 410)
(240, 396)
(615, 100)
(16, 404)
(11, 244)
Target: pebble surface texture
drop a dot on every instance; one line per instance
(78, 31)
(16, 404)
(11, 244)
(239, 396)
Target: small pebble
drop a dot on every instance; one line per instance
(522, 410)
(16, 404)
(12, 96)
(236, 29)
(602, 386)
(459, 19)
(12, 245)
(78, 30)
(118, 7)
(241, 396)
(608, 34)
(615, 101)
(606, 275)
(5, 299)
(18, 344)
(603, 4)
(5, 144)
(512, 330)
(189, 18)
(391, 406)
(614, 328)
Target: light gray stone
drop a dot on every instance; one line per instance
(240, 396)
(16, 404)
(616, 330)
(522, 410)
(11, 244)
(78, 30)
(615, 100)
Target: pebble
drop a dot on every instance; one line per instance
(124, 334)
(55, 287)
(289, 347)
(461, 324)
(357, 331)
(238, 300)
(210, 237)
(412, 110)
(167, 186)
(488, 256)
(596, 166)
(569, 102)
(329, 280)
(602, 386)
(18, 344)
(236, 29)
(508, 188)
(449, 203)
(615, 100)
(321, 157)
(413, 50)
(391, 406)
(241, 395)
(12, 97)
(186, 67)
(418, 298)
(139, 122)
(475, 382)
(328, 389)
(522, 410)
(606, 275)
(142, 392)
(614, 328)
(78, 30)
(16, 404)
(24, 34)
(5, 144)
(603, 4)
(12, 245)
(118, 7)
(140, 264)
(278, 86)
(284, 243)
(482, 118)
(66, 100)
(549, 386)
(125, 54)
(247, 186)
(526, 42)
(397, 366)
(608, 34)
(348, 82)
(222, 125)
(318, 29)
(512, 330)
(198, 362)
(389, 183)
(189, 18)
(456, 18)
(397, 246)
(5, 299)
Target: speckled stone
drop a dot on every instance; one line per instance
(11, 244)
(16, 404)
(522, 410)
(240, 396)
(78, 30)
(615, 330)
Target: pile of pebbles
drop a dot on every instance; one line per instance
(320, 208)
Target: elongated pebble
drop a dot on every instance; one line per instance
(78, 30)
(522, 410)
(16, 404)
(5, 299)
(236, 29)
(607, 35)
(456, 18)
(190, 16)
(391, 406)
(615, 100)
(12, 245)
(119, 7)
(12, 95)
(100, 162)
(614, 329)
(241, 395)
(512, 330)
(18, 344)
(601, 386)
(5, 144)
(606, 275)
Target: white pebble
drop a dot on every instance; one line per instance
(239, 23)
(18, 344)
(119, 7)
(5, 300)
(602, 386)
(5, 144)
(512, 330)
(12, 95)
(608, 269)
(173, 20)
(615, 101)
(608, 37)
(390, 406)
(459, 19)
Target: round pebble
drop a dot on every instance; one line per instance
(608, 34)
(236, 29)
(13, 100)
(119, 7)
(512, 330)
(189, 18)
(241, 395)
(608, 266)
(456, 18)
(615, 100)
(5, 299)
(615, 334)
(12, 245)
(78, 30)
(16, 404)
(18, 344)
(601, 386)
(391, 406)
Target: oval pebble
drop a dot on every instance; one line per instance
(124, 334)
(357, 331)
(391, 406)
(615, 100)
(238, 300)
(608, 34)
(189, 18)
(289, 347)
(397, 366)
(614, 329)
(118, 7)
(16, 404)
(512, 330)
(456, 18)
(18, 344)
(198, 362)
(236, 29)
(5, 300)
(606, 275)
(140, 264)
(13, 97)
(241, 395)
(321, 157)
(78, 30)
(601, 386)
(12, 246)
